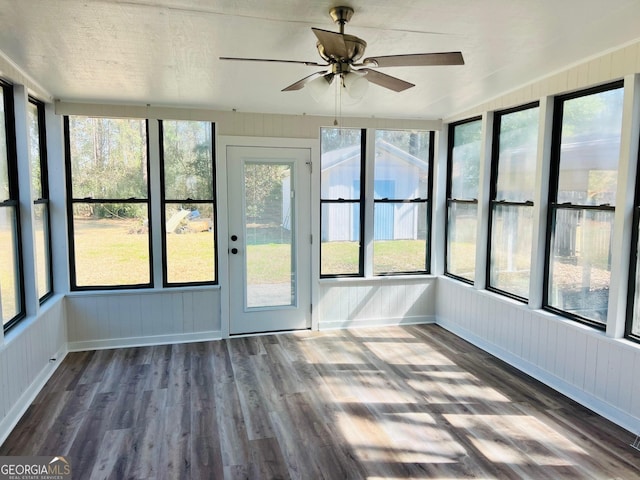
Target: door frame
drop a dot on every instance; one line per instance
(224, 141)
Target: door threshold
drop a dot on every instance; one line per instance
(272, 332)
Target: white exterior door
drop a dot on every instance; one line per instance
(269, 238)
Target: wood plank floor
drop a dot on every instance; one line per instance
(398, 402)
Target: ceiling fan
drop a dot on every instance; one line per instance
(341, 52)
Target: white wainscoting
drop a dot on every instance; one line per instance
(375, 301)
(581, 362)
(111, 319)
(28, 357)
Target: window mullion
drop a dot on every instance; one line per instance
(369, 170)
(626, 200)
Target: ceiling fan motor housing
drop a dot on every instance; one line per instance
(354, 50)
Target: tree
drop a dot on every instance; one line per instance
(188, 161)
(108, 162)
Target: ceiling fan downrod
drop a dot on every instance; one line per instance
(341, 16)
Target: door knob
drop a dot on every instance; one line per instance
(234, 238)
(234, 251)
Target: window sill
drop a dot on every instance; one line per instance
(378, 279)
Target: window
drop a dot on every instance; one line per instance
(188, 195)
(108, 207)
(402, 192)
(463, 183)
(632, 330)
(11, 279)
(342, 201)
(40, 194)
(585, 151)
(515, 142)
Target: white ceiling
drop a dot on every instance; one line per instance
(165, 52)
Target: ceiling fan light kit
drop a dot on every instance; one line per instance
(319, 87)
(355, 84)
(341, 52)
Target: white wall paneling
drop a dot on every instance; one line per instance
(31, 352)
(613, 65)
(580, 362)
(376, 301)
(245, 124)
(129, 318)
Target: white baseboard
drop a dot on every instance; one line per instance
(606, 410)
(21, 405)
(378, 322)
(144, 341)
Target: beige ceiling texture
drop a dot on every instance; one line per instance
(165, 52)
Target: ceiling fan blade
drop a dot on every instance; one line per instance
(333, 43)
(301, 83)
(386, 81)
(312, 64)
(416, 60)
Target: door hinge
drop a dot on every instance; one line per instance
(310, 166)
(311, 239)
(311, 308)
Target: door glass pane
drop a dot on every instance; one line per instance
(269, 224)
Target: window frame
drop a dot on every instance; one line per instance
(455, 201)
(44, 191)
(493, 191)
(71, 201)
(360, 201)
(428, 202)
(164, 202)
(14, 198)
(553, 206)
(632, 286)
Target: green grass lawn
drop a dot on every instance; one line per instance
(399, 256)
(110, 252)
